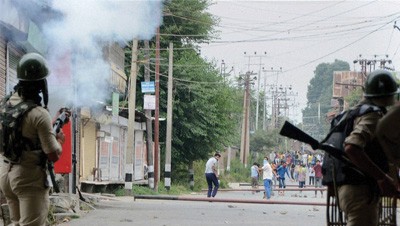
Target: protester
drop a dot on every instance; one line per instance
(302, 177)
(318, 177)
(281, 171)
(254, 175)
(211, 174)
(267, 178)
(311, 175)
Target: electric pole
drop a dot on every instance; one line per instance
(265, 92)
(149, 122)
(258, 82)
(167, 176)
(130, 149)
(372, 65)
(157, 113)
(245, 140)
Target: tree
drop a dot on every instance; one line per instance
(263, 141)
(354, 97)
(319, 97)
(205, 110)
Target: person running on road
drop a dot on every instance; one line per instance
(281, 171)
(211, 173)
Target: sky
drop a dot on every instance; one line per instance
(299, 35)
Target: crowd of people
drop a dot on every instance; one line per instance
(367, 166)
(370, 144)
(303, 168)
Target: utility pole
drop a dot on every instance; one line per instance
(169, 120)
(265, 93)
(223, 72)
(372, 65)
(258, 82)
(149, 121)
(157, 113)
(130, 153)
(245, 140)
(280, 101)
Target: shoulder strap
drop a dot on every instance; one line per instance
(351, 114)
(368, 108)
(26, 108)
(13, 141)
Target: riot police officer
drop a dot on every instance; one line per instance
(359, 196)
(23, 176)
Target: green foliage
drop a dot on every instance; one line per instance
(199, 178)
(237, 173)
(263, 141)
(51, 218)
(142, 190)
(205, 110)
(354, 97)
(119, 192)
(188, 17)
(175, 189)
(319, 97)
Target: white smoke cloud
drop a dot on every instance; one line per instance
(83, 29)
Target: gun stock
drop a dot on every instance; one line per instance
(291, 131)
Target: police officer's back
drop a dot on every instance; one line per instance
(23, 176)
(359, 196)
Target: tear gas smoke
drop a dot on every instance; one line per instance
(76, 33)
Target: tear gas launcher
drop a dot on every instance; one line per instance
(61, 120)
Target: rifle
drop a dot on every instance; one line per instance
(291, 131)
(62, 119)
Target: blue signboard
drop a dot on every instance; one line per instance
(148, 87)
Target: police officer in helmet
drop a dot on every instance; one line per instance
(23, 177)
(359, 196)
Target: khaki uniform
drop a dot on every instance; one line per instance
(388, 133)
(24, 184)
(360, 202)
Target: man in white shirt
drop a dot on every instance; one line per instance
(267, 177)
(211, 173)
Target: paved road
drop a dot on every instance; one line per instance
(126, 211)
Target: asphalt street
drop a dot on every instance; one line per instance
(127, 211)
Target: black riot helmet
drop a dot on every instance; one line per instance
(32, 72)
(380, 83)
(32, 67)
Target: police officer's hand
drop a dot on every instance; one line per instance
(60, 137)
(387, 186)
(67, 113)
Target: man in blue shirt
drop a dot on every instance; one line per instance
(281, 171)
